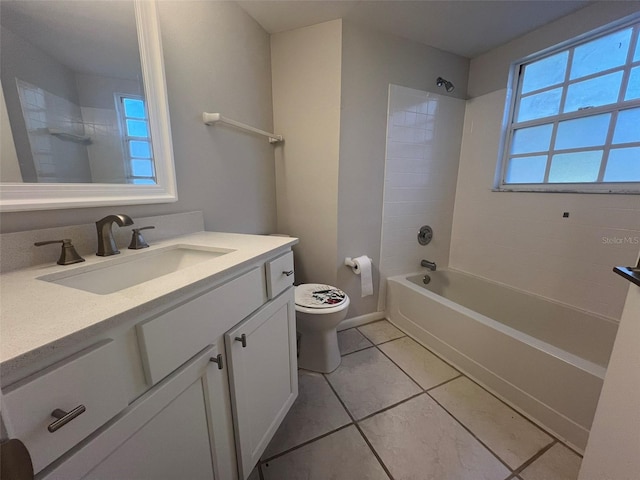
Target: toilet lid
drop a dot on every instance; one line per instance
(318, 295)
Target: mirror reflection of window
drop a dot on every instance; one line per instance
(136, 139)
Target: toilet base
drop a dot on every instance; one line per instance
(319, 351)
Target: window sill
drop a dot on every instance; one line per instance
(530, 189)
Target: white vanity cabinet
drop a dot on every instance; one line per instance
(261, 352)
(215, 372)
(168, 433)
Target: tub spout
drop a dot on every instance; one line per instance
(430, 265)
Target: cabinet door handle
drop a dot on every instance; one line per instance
(288, 273)
(218, 359)
(64, 417)
(242, 338)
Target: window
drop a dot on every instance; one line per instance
(574, 117)
(134, 124)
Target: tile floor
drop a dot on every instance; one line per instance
(393, 410)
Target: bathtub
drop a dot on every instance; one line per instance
(545, 359)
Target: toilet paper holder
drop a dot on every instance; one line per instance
(348, 261)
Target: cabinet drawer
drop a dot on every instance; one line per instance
(90, 378)
(168, 341)
(279, 274)
(165, 434)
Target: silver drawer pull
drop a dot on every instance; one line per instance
(218, 359)
(64, 417)
(242, 338)
(289, 273)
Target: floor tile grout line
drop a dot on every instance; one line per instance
(305, 443)
(552, 435)
(544, 430)
(460, 375)
(535, 457)
(356, 351)
(397, 404)
(413, 379)
(295, 447)
(375, 453)
(426, 348)
(471, 433)
(400, 368)
(353, 419)
(427, 390)
(354, 422)
(514, 473)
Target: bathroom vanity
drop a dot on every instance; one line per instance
(186, 374)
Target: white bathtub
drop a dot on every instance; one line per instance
(546, 359)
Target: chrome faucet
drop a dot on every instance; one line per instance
(430, 265)
(106, 242)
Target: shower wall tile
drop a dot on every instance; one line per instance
(424, 131)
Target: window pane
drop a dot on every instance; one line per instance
(142, 168)
(545, 72)
(623, 165)
(636, 55)
(627, 126)
(133, 108)
(140, 149)
(532, 139)
(143, 181)
(539, 105)
(593, 93)
(575, 167)
(137, 128)
(633, 87)
(526, 169)
(601, 54)
(583, 132)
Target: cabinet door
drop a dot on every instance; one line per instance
(262, 375)
(166, 434)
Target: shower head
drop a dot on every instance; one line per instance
(448, 86)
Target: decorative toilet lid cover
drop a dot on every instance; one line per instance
(318, 295)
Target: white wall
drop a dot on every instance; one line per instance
(424, 131)
(614, 442)
(522, 239)
(371, 60)
(217, 58)
(306, 70)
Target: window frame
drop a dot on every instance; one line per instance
(512, 103)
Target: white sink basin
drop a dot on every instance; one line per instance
(120, 273)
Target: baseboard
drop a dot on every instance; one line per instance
(360, 320)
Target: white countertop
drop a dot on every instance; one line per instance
(37, 317)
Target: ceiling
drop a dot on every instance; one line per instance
(464, 27)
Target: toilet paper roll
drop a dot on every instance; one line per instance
(362, 267)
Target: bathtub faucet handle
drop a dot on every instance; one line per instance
(430, 265)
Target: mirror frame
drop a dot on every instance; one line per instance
(16, 197)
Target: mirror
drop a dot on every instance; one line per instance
(84, 110)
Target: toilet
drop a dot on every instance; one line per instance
(319, 310)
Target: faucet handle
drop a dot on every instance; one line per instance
(68, 255)
(137, 240)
